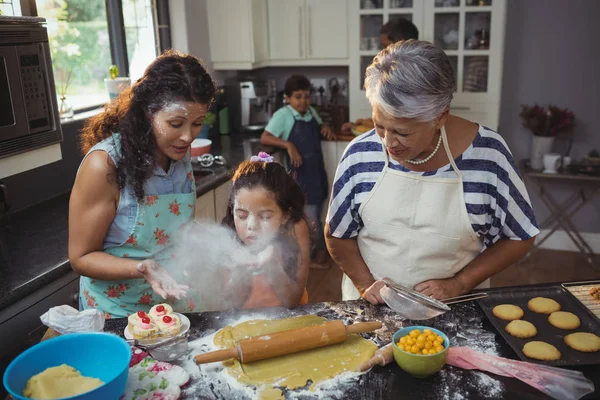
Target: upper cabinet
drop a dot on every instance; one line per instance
(368, 16)
(248, 34)
(471, 32)
(308, 32)
(238, 33)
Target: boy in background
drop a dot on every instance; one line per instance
(297, 128)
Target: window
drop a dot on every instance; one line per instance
(139, 35)
(10, 7)
(80, 49)
(88, 36)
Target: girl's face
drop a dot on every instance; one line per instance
(257, 216)
(176, 126)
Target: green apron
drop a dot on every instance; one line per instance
(158, 219)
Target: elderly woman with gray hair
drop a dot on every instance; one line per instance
(430, 200)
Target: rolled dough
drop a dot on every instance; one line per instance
(59, 382)
(294, 370)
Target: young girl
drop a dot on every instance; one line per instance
(266, 207)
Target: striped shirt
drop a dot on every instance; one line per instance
(496, 199)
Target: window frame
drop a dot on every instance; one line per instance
(116, 33)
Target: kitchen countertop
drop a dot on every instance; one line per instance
(33, 242)
(463, 325)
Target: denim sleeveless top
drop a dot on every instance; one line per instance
(159, 183)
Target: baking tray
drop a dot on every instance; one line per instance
(546, 332)
(581, 291)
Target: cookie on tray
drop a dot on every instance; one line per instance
(583, 341)
(543, 305)
(541, 351)
(521, 329)
(508, 312)
(564, 320)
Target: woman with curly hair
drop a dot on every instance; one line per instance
(135, 187)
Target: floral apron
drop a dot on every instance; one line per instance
(158, 219)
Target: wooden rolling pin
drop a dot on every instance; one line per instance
(382, 357)
(288, 342)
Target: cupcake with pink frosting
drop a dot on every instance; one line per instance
(168, 325)
(160, 310)
(145, 329)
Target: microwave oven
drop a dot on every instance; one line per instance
(28, 104)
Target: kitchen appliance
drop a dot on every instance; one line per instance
(252, 103)
(28, 107)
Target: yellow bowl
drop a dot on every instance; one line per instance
(419, 365)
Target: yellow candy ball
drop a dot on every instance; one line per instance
(432, 337)
(427, 332)
(414, 349)
(414, 333)
(403, 339)
(432, 351)
(420, 345)
(428, 345)
(425, 352)
(438, 349)
(440, 339)
(410, 341)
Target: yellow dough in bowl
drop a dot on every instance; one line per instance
(59, 382)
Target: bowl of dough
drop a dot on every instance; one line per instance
(89, 366)
(420, 350)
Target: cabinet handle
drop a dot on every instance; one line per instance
(300, 20)
(309, 31)
(461, 108)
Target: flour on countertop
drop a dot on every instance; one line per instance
(212, 381)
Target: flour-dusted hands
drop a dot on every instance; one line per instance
(372, 295)
(441, 289)
(162, 283)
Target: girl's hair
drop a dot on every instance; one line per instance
(289, 196)
(173, 76)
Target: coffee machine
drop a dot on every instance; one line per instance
(254, 102)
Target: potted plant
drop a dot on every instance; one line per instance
(115, 84)
(545, 124)
(209, 122)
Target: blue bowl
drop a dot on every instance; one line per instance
(96, 355)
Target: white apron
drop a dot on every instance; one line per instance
(416, 228)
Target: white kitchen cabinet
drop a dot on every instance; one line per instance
(222, 200)
(286, 29)
(327, 29)
(471, 32)
(237, 33)
(205, 207)
(308, 32)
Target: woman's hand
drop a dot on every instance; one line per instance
(441, 289)
(295, 157)
(327, 133)
(162, 283)
(372, 295)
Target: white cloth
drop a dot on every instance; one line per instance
(416, 228)
(65, 319)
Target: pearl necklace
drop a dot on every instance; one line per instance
(429, 157)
